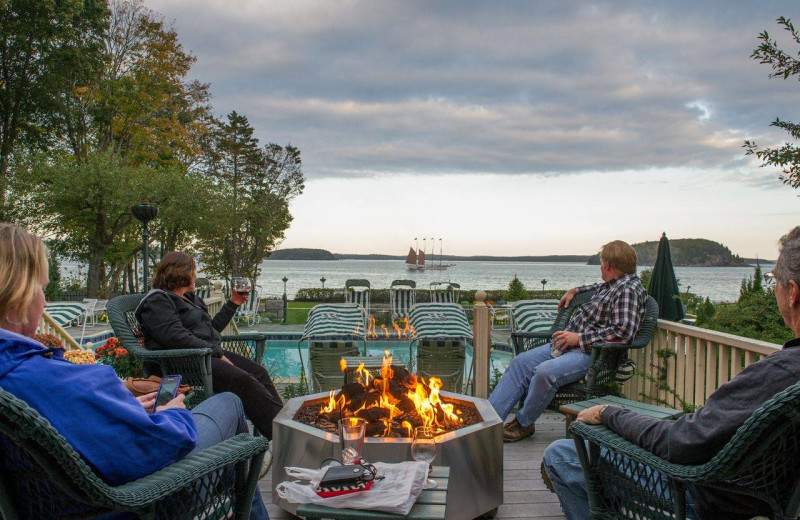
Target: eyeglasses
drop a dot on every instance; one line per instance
(769, 279)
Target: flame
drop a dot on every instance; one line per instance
(397, 330)
(432, 412)
(343, 364)
(371, 331)
(385, 331)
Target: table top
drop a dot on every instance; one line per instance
(650, 410)
(430, 505)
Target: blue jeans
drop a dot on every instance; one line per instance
(565, 471)
(221, 417)
(536, 372)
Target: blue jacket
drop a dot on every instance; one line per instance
(91, 408)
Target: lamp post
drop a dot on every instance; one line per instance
(323, 281)
(144, 213)
(285, 301)
(543, 282)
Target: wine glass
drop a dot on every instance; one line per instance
(423, 449)
(241, 285)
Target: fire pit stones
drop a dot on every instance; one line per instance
(474, 454)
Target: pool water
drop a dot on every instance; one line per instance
(283, 361)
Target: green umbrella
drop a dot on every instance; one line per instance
(663, 284)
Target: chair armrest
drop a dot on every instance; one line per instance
(532, 335)
(166, 481)
(172, 353)
(605, 438)
(246, 336)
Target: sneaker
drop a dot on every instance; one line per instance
(514, 431)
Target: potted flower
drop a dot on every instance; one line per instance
(124, 364)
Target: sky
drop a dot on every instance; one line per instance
(508, 127)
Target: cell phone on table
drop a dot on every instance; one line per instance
(166, 391)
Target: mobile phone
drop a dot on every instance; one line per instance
(344, 475)
(166, 391)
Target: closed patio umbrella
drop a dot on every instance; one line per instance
(663, 284)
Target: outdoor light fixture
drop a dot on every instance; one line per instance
(323, 281)
(285, 301)
(144, 213)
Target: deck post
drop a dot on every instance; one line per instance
(480, 346)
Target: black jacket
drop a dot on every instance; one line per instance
(169, 322)
(696, 437)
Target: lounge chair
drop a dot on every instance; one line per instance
(444, 292)
(42, 476)
(203, 288)
(529, 316)
(441, 332)
(68, 313)
(402, 296)
(333, 330)
(761, 460)
(609, 364)
(357, 291)
(193, 364)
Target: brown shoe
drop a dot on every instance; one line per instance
(514, 431)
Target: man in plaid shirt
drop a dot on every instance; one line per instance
(612, 315)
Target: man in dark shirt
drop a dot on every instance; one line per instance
(696, 437)
(614, 313)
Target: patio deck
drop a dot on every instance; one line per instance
(524, 496)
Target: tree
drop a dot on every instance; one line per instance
(516, 290)
(45, 47)
(786, 157)
(253, 187)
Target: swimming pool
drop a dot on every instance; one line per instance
(283, 361)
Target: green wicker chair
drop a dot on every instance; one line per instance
(42, 477)
(193, 364)
(762, 460)
(607, 358)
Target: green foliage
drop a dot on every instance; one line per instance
(496, 375)
(516, 290)
(685, 251)
(755, 315)
(784, 65)
(53, 291)
(298, 389)
(645, 276)
(660, 381)
(705, 313)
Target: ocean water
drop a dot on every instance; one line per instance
(717, 283)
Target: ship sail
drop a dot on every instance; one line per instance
(412, 256)
(421, 258)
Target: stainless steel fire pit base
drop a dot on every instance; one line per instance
(474, 454)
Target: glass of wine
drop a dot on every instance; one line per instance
(423, 449)
(241, 285)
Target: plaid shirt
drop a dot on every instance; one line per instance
(614, 313)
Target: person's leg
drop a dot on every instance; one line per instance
(516, 379)
(221, 417)
(260, 405)
(547, 378)
(564, 469)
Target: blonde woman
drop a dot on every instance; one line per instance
(87, 404)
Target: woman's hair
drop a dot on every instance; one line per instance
(174, 271)
(23, 265)
(620, 256)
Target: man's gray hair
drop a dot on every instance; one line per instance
(788, 265)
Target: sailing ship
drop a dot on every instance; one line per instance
(415, 260)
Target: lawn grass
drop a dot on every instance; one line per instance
(297, 312)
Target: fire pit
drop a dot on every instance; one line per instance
(470, 439)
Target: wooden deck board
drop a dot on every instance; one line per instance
(525, 496)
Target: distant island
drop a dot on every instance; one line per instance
(689, 252)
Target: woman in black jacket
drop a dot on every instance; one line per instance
(172, 316)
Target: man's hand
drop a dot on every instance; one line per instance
(228, 361)
(566, 299)
(175, 403)
(591, 415)
(147, 400)
(563, 340)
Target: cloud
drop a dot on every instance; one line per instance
(369, 88)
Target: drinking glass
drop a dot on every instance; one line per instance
(351, 437)
(241, 285)
(423, 449)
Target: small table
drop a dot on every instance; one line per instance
(430, 505)
(650, 410)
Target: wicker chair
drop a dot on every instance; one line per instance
(42, 477)
(762, 460)
(607, 358)
(193, 364)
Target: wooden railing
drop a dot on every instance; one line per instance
(214, 304)
(48, 326)
(703, 361)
